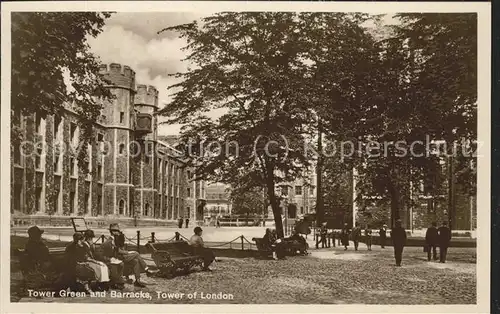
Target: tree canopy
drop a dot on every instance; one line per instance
(46, 46)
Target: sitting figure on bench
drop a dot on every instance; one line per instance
(79, 265)
(37, 253)
(114, 251)
(199, 248)
(274, 244)
(36, 264)
(99, 268)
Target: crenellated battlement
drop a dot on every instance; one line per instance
(120, 76)
(146, 95)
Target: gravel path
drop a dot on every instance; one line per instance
(325, 276)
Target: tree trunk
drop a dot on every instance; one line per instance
(274, 203)
(320, 210)
(395, 204)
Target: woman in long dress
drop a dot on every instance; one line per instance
(100, 268)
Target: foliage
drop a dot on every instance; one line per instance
(247, 202)
(46, 46)
(423, 88)
(263, 68)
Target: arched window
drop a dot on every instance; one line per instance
(146, 209)
(121, 207)
(121, 149)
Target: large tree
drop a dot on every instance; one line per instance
(248, 201)
(261, 68)
(425, 89)
(46, 46)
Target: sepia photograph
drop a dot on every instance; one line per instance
(246, 156)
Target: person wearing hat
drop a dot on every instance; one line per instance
(37, 253)
(344, 236)
(196, 242)
(323, 231)
(356, 235)
(77, 271)
(383, 235)
(398, 236)
(109, 253)
(444, 238)
(431, 239)
(100, 269)
(368, 236)
(114, 249)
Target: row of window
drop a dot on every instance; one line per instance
(298, 190)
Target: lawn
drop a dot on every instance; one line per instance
(327, 276)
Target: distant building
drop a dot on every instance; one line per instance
(131, 173)
(218, 202)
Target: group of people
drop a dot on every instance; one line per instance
(279, 246)
(84, 267)
(180, 222)
(435, 237)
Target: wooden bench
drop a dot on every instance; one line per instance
(290, 247)
(170, 257)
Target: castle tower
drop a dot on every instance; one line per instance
(118, 117)
(146, 195)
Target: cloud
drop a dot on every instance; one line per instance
(131, 39)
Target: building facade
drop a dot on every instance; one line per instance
(131, 175)
(218, 202)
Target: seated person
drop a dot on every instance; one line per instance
(274, 244)
(99, 268)
(36, 264)
(199, 248)
(78, 271)
(37, 253)
(114, 252)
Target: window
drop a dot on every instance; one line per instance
(100, 137)
(38, 201)
(86, 203)
(72, 166)
(298, 190)
(122, 116)
(72, 202)
(146, 209)
(57, 194)
(72, 132)
(38, 155)
(311, 190)
(18, 190)
(189, 175)
(17, 154)
(121, 207)
(99, 172)
(301, 209)
(56, 163)
(188, 214)
(121, 149)
(188, 192)
(99, 204)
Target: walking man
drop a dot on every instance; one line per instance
(431, 241)
(444, 238)
(398, 236)
(383, 235)
(368, 235)
(344, 236)
(356, 236)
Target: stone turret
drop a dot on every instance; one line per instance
(147, 95)
(118, 75)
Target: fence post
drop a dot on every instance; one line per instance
(242, 248)
(102, 238)
(138, 241)
(153, 237)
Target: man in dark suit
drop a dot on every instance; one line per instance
(114, 250)
(431, 241)
(383, 234)
(398, 236)
(444, 238)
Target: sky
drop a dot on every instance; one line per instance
(131, 39)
